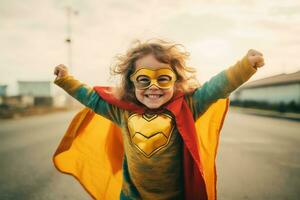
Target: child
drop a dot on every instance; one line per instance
(155, 137)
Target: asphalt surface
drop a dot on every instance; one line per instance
(259, 158)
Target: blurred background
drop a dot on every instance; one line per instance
(259, 149)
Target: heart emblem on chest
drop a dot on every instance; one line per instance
(150, 133)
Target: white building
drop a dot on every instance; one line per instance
(35, 88)
(279, 89)
(42, 92)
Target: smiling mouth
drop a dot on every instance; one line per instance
(153, 96)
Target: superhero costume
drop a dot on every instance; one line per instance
(96, 158)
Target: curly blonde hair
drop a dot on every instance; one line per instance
(163, 51)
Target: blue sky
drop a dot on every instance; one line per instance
(216, 33)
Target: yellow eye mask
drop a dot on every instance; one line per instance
(163, 78)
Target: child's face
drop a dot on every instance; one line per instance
(153, 97)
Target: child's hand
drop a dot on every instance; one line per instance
(61, 71)
(255, 58)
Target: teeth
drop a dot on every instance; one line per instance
(153, 96)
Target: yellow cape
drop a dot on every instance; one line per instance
(92, 151)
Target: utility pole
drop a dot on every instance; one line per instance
(69, 39)
(70, 12)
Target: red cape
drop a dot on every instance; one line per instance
(200, 145)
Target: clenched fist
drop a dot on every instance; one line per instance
(61, 71)
(255, 58)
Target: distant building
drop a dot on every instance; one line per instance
(35, 88)
(282, 89)
(3, 93)
(3, 90)
(39, 90)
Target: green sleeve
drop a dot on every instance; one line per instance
(90, 98)
(220, 86)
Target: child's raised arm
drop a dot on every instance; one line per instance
(221, 85)
(85, 94)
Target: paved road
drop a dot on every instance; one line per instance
(27, 172)
(258, 159)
